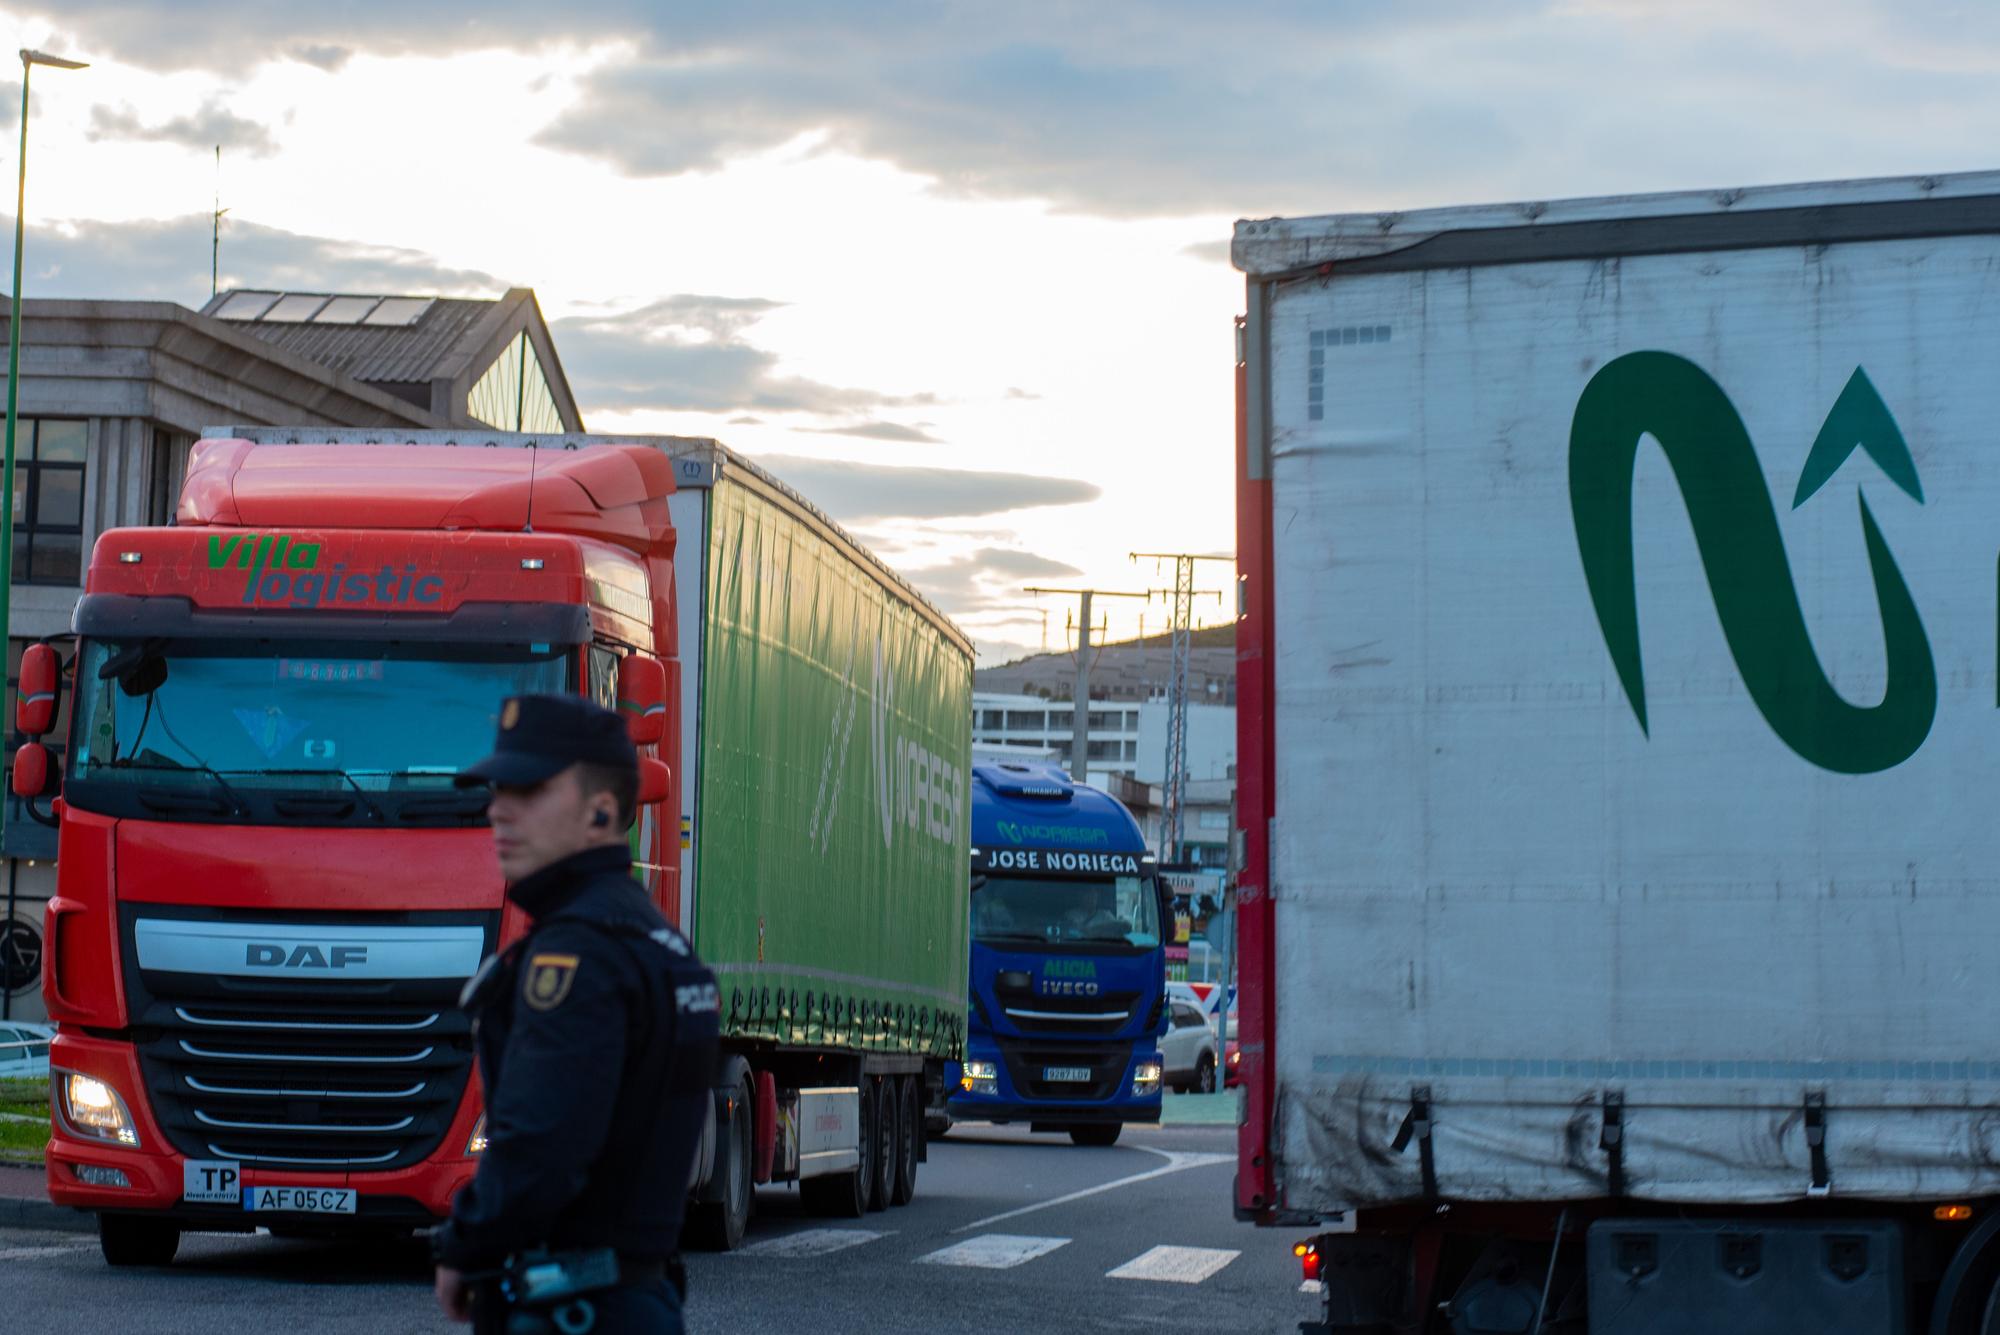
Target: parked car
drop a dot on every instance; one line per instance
(24, 1049)
(1188, 1051)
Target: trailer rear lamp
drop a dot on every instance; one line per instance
(476, 1142)
(92, 1175)
(532, 563)
(1952, 1214)
(92, 1109)
(130, 558)
(1309, 1260)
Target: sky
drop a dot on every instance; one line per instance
(958, 272)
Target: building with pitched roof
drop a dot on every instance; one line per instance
(114, 393)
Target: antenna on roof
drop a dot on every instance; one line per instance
(215, 234)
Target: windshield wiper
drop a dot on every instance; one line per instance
(366, 801)
(236, 806)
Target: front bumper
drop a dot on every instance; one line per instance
(412, 1197)
(1009, 1102)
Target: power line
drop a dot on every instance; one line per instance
(1173, 782)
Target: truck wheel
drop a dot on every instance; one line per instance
(718, 1226)
(888, 1118)
(1099, 1134)
(908, 1129)
(1969, 1292)
(135, 1240)
(1204, 1074)
(845, 1195)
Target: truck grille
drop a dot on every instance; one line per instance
(1100, 1015)
(328, 1087)
(313, 1075)
(1027, 1062)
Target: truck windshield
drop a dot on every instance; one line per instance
(232, 719)
(1012, 910)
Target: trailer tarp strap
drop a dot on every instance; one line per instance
(1417, 1125)
(1612, 1141)
(1822, 1180)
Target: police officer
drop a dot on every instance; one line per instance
(596, 1035)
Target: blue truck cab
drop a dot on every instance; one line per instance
(1068, 973)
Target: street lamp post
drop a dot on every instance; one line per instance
(29, 59)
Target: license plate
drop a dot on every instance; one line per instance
(300, 1200)
(211, 1181)
(1074, 1075)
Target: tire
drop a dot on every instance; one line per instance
(1098, 1134)
(136, 1240)
(888, 1117)
(846, 1195)
(909, 1127)
(1968, 1296)
(718, 1226)
(1204, 1075)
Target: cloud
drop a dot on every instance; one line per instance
(986, 580)
(214, 124)
(168, 260)
(891, 431)
(323, 55)
(1208, 252)
(854, 492)
(688, 353)
(1188, 107)
(1016, 392)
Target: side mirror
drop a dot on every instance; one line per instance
(35, 697)
(655, 779)
(642, 698)
(31, 770)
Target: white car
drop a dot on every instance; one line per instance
(24, 1049)
(1189, 1050)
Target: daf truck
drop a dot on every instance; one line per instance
(1617, 719)
(269, 893)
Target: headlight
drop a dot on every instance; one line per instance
(92, 1109)
(979, 1078)
(476, 1144)
(1145, 1077)
(1235, 1057)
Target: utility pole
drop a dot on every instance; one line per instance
(1079, 746)
(1173, 783)
(215, 232)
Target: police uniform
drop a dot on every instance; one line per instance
(596, 1037)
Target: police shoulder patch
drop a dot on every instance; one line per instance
(546, 980)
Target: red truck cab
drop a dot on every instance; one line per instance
(269, 891)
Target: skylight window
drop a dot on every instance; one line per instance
(345, 310)
(246, 305)
(294, 309)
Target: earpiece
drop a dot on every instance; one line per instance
(600, 818)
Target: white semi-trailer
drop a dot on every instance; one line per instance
(1619, 740)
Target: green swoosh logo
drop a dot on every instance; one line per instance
(1743, 553)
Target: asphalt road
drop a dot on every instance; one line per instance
(1009, 1232)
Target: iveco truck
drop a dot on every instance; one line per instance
(1618, 717)
(1068, 977)
(269, 893)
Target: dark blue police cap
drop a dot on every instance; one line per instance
(542, 735)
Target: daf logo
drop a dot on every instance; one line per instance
(273, 955)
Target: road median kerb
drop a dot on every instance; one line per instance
(25, 1203)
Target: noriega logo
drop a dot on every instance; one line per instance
(1743, 552)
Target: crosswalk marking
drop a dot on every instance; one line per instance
(1175, 1265)
(23, 1253)
(994, 1251)
(812, 1242)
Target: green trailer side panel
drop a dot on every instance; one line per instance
(836, 758)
